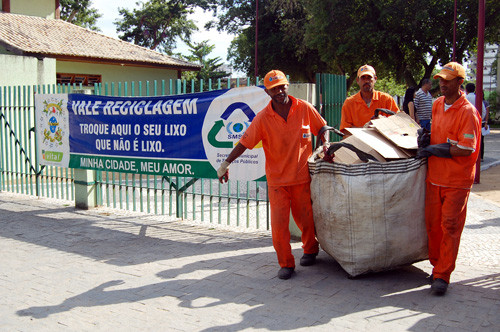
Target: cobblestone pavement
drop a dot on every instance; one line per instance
(64, 269)
(104, 270)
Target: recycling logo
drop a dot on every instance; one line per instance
(227, 119)
(234, 130)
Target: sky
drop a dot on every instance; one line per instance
(109, 11)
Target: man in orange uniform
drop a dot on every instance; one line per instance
(452, 153)
(285, 128)
(359, 109)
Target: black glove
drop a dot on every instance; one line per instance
(439, 150)
(424, 138)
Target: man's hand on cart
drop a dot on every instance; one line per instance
(223, 172)
(326, 156)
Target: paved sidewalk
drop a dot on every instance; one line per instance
(491, 150)
(64, 269)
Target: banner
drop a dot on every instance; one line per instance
(182, 135)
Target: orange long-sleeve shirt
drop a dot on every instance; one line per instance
(355, 112)
(460, 125)
(287, 144)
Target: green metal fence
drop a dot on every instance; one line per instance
(331, 92)
(236, 204)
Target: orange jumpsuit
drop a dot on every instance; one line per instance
(355, 112)
(449, 181)
(287, 146)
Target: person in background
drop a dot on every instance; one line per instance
(451, 166)
(470, 90)
(423, 104)
(285, 128)
(408, 104)
(360, 108)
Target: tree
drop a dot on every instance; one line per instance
(405, 38)
(211, 67)
(157, 24)
(280, 38)
(79, 12)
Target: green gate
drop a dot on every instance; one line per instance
(331, 91)
(236, 204)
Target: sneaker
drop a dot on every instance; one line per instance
(308, 259)
(439, 286)
(285, 273)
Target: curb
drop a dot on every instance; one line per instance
(489, 165)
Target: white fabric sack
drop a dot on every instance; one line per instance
(370, 217)
(485, 130)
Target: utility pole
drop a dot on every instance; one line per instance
(479, 73)
(454, 30)
(256, 38)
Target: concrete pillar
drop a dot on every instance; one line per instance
(306, 91)
(84, 181)
(85, 188)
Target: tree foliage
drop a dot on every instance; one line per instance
(407, 38)
(79, 12)
(404, 39)
(211, 67)
(280, 37)
(156, 24)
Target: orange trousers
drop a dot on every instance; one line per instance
(298, 199)
(445, 212)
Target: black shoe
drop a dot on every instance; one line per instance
(439, 286)
(431, 279)
(308, 259)
(285, 273)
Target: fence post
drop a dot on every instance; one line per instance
(85, 181)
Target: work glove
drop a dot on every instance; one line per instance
(424, 138)
(439, 150)
(223, 171)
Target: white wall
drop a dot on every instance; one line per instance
(306, 91)
(40, 8)
(117, 73)
(21, 70)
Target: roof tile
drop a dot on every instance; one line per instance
(57, 38)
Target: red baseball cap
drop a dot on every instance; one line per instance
(274, 78)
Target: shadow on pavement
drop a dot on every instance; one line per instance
(120, 241)
(313, 297)
(246, 282)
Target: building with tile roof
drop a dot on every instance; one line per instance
(41, 50)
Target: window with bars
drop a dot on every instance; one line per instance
(84, 79)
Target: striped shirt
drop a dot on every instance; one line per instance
(423, 104)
